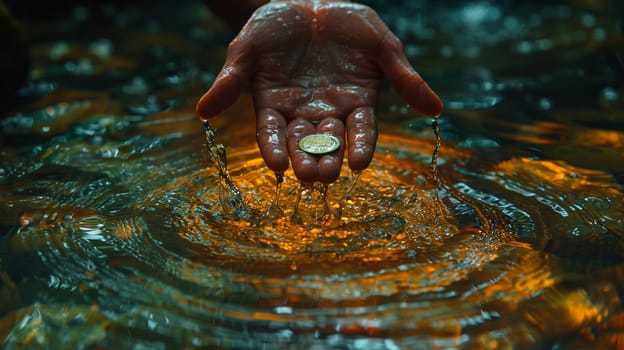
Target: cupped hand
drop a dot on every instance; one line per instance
(316, 67)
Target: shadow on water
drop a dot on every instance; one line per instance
(115, 233)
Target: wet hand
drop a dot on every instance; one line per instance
(316, 68)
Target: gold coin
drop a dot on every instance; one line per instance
(319, 143)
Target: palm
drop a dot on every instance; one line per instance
(316, 68)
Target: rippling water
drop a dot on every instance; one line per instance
(115, 234)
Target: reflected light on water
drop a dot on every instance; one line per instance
(406, 264)
(118, 233)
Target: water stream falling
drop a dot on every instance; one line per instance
(232, 201)
(230, 195)
(435, 126)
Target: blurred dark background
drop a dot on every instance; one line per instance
(463, 39)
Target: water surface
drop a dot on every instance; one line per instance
(115, 235)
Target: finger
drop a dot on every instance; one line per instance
(231, 79)
(407, 82)
(362, 137)
(271, 136)
(329, 165)
(304, 164)
(223, 93)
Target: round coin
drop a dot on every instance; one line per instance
(319, 143)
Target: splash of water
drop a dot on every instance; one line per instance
(230, 196)
(233, 202)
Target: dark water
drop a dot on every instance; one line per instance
(115, 232)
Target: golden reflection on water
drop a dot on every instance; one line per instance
(475, 262)
(407, 262)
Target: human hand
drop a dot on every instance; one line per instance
(316, 67)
